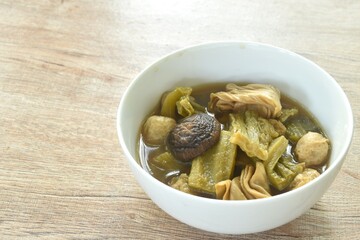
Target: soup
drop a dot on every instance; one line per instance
(232, 141)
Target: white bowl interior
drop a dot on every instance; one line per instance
(295, 76)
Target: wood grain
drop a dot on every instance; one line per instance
(64, 66)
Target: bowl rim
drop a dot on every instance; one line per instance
(132, 161)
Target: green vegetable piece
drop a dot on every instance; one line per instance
(197, 107)
(184, 107)
(166, 162)
(287, 161)
(280, 169)
(252, 133)
(168, 106)
(215, 165)
(295, 131)
(284, 177)
(298, 126)
(181, 183)
(276, 149)
(187, 106)
(287, 113)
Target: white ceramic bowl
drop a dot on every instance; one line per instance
(294, 75)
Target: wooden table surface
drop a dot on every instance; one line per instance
(64, 66)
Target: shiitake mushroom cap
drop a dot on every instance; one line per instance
(193, 135)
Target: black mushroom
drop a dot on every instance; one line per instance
(193, 136)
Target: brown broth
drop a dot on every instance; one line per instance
(201, 94)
